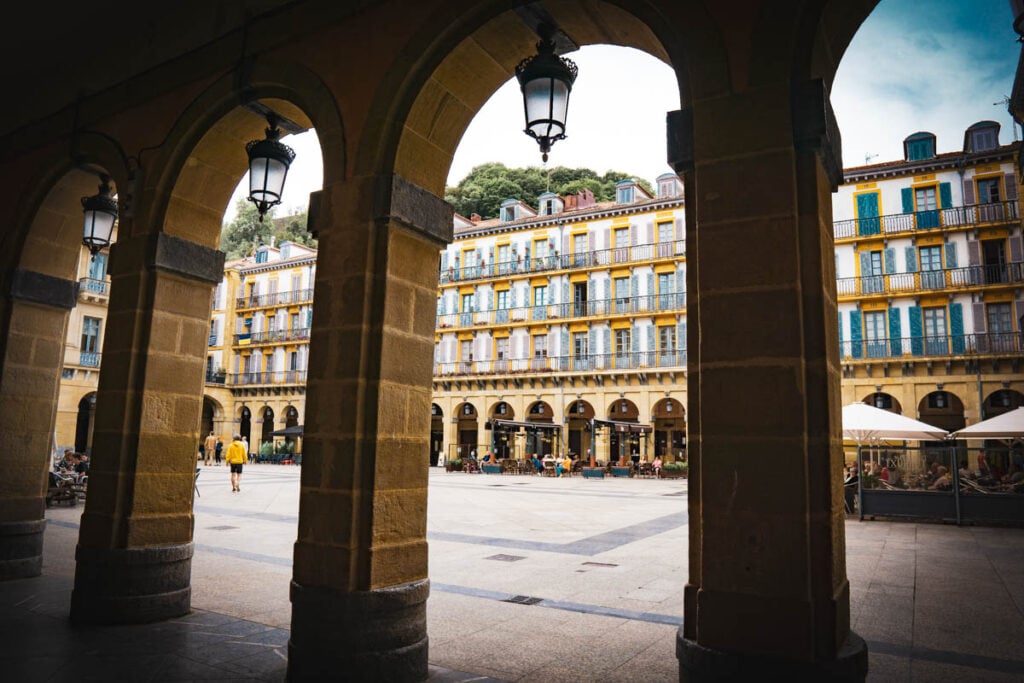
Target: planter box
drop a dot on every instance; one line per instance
(493, 469)
(593, 472)
(673, 474)
(618, 471)
(448, 467)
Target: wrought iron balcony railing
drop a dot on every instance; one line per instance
(88, 285)
(272, 377)
(212, 341)
(215, 377)
(653, 303)
(603, 257)
(272, 336)
(925, 280)
(944, 345)
(89, 359)
(583, 363)
(956, 216)
(298, 296)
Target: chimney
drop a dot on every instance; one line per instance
(570, 202)
(475, 218)
(585, 199)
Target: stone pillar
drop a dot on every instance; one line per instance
(135, 546)
(768, 595)
(30, 370)
(360, 586)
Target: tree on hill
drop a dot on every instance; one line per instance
(487, 185)
(239, 237)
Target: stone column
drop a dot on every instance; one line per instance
(29, 384)
(360, 586)
(135, 546)
(768, 595)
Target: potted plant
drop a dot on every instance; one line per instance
(453, 465)
(674, 470)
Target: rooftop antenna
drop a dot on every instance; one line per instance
(869, 157)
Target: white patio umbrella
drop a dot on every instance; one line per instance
(866, 424)
(1006, 426)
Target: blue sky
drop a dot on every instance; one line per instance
(935, 65)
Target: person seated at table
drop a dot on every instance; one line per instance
(884, 474)
(488, 458)
(943, 482)
(656, 466)
(537, 464)
(564, 465)
(82, 466)
(65, 461)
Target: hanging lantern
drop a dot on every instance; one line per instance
(546, 81)
(269, 161)
(100, 214)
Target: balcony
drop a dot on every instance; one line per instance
(547, 364)
(213, 377)
(93, 290)
(272, 336)
(653, 303)
(605, 257)
(272, 377)
(923, 221)
(948, 345)
(89, 359)
(969, 277)
(298, 296)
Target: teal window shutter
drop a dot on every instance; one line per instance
(916, 331)
(867, 214)
(945, 196)
(951, 254)
(895, 334)
(681, 335)
(842, 349)
(565, 343)
(908, 199)
(890, 260)
(652, 331)
(956, 327)
(911, 253)
(591, 341)
(608, 341)
(444, 260)
(855, 335)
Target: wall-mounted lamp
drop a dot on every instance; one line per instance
(100, 213)
(269, 161)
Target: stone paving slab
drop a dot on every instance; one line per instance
(603, 563)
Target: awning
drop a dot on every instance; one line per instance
(625, 427)
(528, 425)
(295, 430)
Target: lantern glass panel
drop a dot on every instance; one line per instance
(266, 179)
(98, 227)
(546, 102)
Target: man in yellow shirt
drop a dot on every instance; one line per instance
(236, 457)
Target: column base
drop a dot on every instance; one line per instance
(700, 664)
(21, 549)
(132, 585)
(378, 635)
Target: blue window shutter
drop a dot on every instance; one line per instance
(865, 264)
(956, 326)
(945, 196)
(842, 349)
(855, 334)
(916, 331)
(895, 334)
(911, 253)
(608, 341)
(564, 334)
(652, 332)
(951, 254)
(650, 284)
(680, 278)
(444, 260)
(488, 300)
(634, 339)
(681, 335)
(592, 341)
(633, 288)
(890, 260)
(908, 199)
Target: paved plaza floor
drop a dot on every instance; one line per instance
(532, 579)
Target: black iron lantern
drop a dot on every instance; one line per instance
(100, 213)
(269, 161)
(546, 81)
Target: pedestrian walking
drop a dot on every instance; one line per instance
(236, 457)
(208, 448)
(217, 450)
(245, 444)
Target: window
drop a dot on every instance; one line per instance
(624, 195)
(667, 339)
(920, 147)
(938, 400)
(540, 295)
(579, 344)
(261, 256)
(935, 331)
(621, 285)
(666, 188)
(296, 325)
(988, 190)
(579, 249)
(503, 256)
(932, 276)
(872, 280)
(293, 361)
(868, 222)
(90, 335)
(67, 373)
(540, 346)
(467, 303)
(874, 334)
(1000, 326)
(926, 207)
(621, 238)
(501, 348)
(621, 342)
(666, 283)
(98, 267)
(501, 300)
(466, 350)
(982, 139)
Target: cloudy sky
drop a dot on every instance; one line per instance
(906, 70)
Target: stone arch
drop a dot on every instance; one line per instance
(883, 401)
(1002, 401)
(942, 409)
(85, 422)
(578, 425)
(266, 413)
(245, 424)
(668, 417)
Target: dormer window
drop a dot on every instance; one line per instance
(508, 210)
(668, 186)
(982, 136)
(550, 204)
(262, 255)
(624, 192)
(919, 146)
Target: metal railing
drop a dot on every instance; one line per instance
(298, 296)
(583, 363)
(945, 345)
(956, 216)
(89, 359)
(652, 303)
(273, 336)
(216, 377)
(212, 341)
(924, 280)
(91, 286)
(603, 257)
(272, 377)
